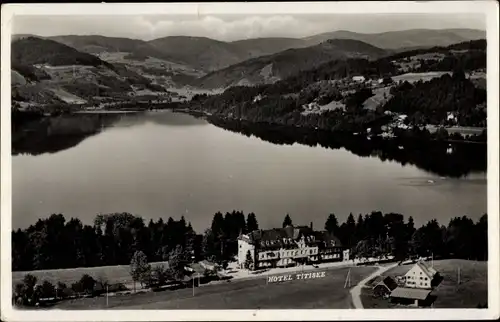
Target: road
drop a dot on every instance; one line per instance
(356, 290)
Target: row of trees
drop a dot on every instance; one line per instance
(111, 240)
(373, 234)
(115, 239)
(30, 292)
(377, 234)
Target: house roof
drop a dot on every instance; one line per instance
(429, 271)
(388, 282)
(410, 293)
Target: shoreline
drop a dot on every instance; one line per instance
(204, 114)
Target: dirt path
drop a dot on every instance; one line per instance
(356, 290)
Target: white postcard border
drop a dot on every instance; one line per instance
(489, 8)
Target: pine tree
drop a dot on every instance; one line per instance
(252, 223)
(287, 221)
(248, 260)
(332, 224)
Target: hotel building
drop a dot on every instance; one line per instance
(289, 246)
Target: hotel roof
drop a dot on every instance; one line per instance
(276, 235)
(410, 293)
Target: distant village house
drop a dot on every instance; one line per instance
(359, 79)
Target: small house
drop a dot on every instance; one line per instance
(385, 286)
(359, 79)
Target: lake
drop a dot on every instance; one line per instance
(166, 164)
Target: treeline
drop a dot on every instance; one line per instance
(468, 61)
(115, 239)
(112, 240)
(410, 147)
(430, 102)
(377, 234)
(473, 45)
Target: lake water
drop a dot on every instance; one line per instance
(162, 164)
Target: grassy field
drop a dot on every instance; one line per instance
(322, 293)
(114, 274)
(378, 98)
(415, 77)
(472, 290)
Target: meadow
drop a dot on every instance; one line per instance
(320, 293)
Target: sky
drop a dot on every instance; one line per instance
(236, 27)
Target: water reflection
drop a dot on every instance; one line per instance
(54, 134)
(444, 159)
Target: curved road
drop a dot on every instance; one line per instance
(356, 290)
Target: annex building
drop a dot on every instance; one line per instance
(419, 282)
(289, 246)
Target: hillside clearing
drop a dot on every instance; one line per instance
(378, 98)
(415, 77)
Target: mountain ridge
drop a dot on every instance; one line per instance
(207, 54)
(271, 68)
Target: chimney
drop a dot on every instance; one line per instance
(311, 225)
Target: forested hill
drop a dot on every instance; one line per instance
(54, 77)
(405, 38)
(33, 50)
(271, 68)
(328, 96)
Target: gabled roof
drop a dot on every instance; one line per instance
(389, 282)
(429, 271)
(410, 293)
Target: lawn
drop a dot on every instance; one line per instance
(114, 274)
(321, 293)
(472, 290)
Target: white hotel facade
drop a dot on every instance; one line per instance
(289, 246)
